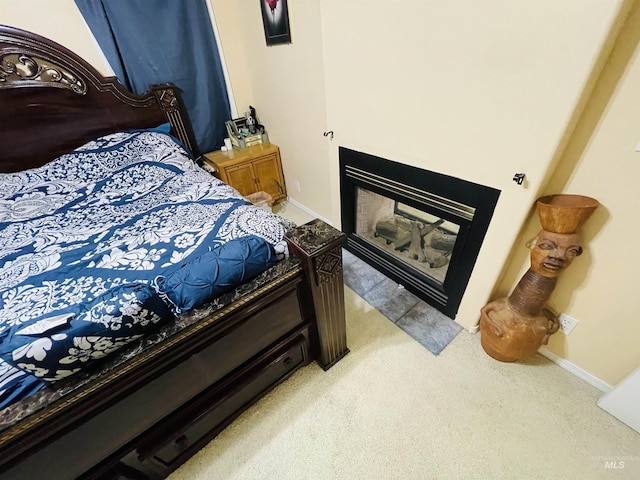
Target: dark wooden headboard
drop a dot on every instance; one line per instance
(52, 101)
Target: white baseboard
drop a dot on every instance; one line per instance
(474, 329)
(576, 370)
(308, 210)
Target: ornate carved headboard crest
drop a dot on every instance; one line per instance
(58, 102)
(20, 69)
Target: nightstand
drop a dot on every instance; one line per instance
(249, 170)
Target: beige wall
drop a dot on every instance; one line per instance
(230, 30)
(487, 89)
(287, 90)
(599, 289)
(470, 89)
(602, 291)
(476, 90)
(59, 20)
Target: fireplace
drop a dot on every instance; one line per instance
(420, 228)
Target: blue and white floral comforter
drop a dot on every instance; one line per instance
(87, 241)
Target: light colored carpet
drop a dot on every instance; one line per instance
(392, 410)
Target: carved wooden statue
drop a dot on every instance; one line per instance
(517, 326)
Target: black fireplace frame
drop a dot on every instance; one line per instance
(458, 200)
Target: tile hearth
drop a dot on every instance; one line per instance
(429, 327)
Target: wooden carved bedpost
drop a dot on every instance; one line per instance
(319, 248)
(516, 327)
(170, 105)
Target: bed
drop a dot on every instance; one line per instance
(144, 304)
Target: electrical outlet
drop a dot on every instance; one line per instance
(296, 183)
(567, 323)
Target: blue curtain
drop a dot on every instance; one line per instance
(159, 41)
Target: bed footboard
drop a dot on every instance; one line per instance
(163, 409)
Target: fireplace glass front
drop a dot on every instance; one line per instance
(420, 228)
(419, 239)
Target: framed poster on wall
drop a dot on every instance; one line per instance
(275, 17)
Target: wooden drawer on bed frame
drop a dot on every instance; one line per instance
(193, 394)
(173, 440)
(171, 443)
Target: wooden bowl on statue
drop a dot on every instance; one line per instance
(564, 213)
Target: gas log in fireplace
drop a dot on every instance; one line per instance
(420, 228)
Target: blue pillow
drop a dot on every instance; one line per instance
(162, 128)
(216, 272)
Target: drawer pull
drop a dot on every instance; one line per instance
(182, 442)
(288, 362)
